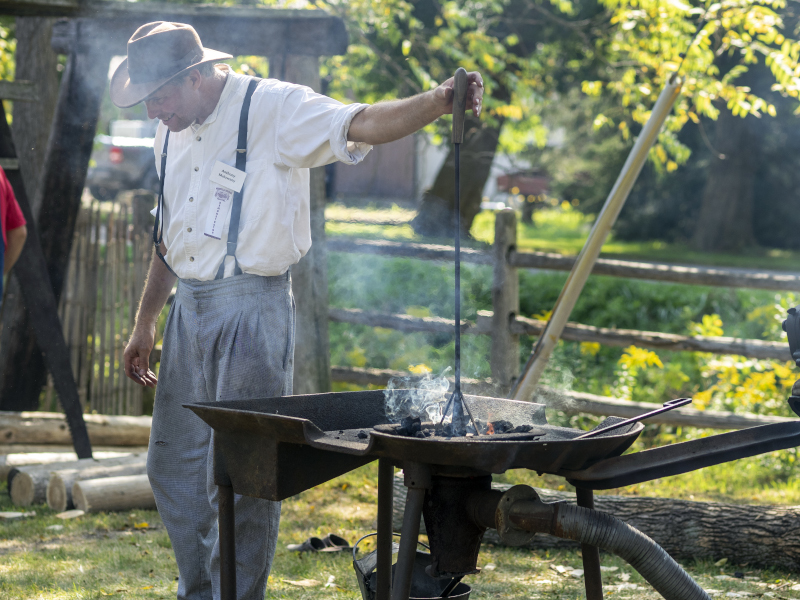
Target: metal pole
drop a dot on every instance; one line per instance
(227, 543)
(385, 499)
(401, 585)
(592, 576)
(526, 384)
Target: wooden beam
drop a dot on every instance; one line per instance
(21, 91)
(312, 367)
(38, 8)
(686, 274)
(42, 310)
(238, 30)
(22, 372)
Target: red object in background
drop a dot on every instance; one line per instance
(529, 184)
(115, 155)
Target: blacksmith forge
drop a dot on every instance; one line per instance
(275, 448)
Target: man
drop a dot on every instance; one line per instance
(13, 225)
(230, 235)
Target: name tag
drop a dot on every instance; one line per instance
(228, 176)
(218, 213)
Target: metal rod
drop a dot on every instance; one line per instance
(401, 585)
(384, 542)
(526, 384)
(227, 543)
(457, 408)
(451, 586)
(592, 576)
(667, 406)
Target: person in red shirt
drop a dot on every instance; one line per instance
(13, 225)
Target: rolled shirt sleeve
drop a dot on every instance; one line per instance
(313, 130)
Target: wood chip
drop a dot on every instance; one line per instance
(16, 515)
(70, 514)
(306, 583)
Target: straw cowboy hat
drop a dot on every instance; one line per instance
(157, 53)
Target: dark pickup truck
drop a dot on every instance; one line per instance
(123, 160)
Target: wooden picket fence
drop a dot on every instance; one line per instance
(108, 265)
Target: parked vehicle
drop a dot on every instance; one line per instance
(123, 160)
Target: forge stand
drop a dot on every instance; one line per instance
(275, 448)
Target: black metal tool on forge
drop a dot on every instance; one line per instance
(456, 402)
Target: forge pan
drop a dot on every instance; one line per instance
(277, 447)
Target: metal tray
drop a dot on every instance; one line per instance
(276, 447)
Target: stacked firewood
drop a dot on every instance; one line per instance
(40, 466)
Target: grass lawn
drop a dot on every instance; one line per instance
(128, 555)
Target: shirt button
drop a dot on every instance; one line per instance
(197, 168)
(191, 259)
(199, 138)
(191, 199)
(189, 229)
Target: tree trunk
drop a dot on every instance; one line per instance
(757, 536)
(22, 368)
(114, 493)
(37, 62)
(725, 222)
(435, 216)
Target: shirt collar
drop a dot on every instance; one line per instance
(230, 83)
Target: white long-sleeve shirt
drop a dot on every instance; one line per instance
(290, 129)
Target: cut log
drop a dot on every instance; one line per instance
(113, 493)
(51, 428)
(14, 457)
(755, 535)
(59, 487)
(28, 485)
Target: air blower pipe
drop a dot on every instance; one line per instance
(520, 513)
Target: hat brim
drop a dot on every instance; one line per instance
(126, 94)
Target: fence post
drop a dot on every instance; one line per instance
(504, 358)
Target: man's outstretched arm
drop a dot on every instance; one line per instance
(137, 353)
(389, 121)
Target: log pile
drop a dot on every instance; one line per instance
(28, 485)
(60, 485)
(113, 493)
(51, 428)
(39, 464)
(757, 536)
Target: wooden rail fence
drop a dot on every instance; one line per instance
(505, 325)
(107, 268)
(111, 254)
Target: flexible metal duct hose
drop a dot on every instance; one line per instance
(642, 553)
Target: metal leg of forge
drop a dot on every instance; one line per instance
(385, 500)
(591, 554)
(417, 478)
(227, 543)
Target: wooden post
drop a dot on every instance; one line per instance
(504, 358)
(22, 369)
(312, 369)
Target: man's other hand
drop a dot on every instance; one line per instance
(137, 356)
(444, 94)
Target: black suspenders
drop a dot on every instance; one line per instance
(236, 209)
(158, 232)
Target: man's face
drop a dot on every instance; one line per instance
(173, 104)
